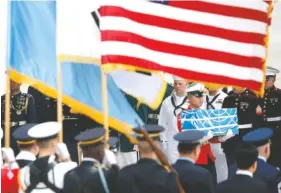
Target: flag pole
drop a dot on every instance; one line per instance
(105, 107)
(59, 99)
(7, 110)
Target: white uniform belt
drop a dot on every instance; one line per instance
(153, 116)
(18, 123)
(271, 119)
(245, 126)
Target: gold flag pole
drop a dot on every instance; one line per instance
(105, 107)
(59, 99)
(7, 110)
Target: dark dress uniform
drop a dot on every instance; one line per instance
(246, 104)
(153, 115)
(264, 172)
(241, 183)
(271, 117)
(24, 157)
(91, 176)
(73, 124)
(46, 107)
(194, 179)
(22, 111)
(147, 175)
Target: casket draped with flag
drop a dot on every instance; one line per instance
(218, 121)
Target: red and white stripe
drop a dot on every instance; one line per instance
(222, 42)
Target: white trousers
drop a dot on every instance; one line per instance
(220, 163)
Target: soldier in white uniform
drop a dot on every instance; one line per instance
(170, 109)
(214, 100)
(46, 175)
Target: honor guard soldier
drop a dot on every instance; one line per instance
(45, 174)
(73, 124)
(270, 107)
(246, 103)
(195, 96)
(264, 172)
(214, 100)
(91, 175)
(246, 156)
(147, 175)
(153, 115)
(170, 109)
(22, 110)
(28, 147)
(194, 179)
(46, 107)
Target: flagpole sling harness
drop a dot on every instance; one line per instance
(37, 176)
(210, 103)
(178, 108)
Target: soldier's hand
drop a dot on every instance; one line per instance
(228, 135)
(8, 155)
(63, 152)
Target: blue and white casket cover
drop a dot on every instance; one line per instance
(218, 121)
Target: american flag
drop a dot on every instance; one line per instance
(212, 41)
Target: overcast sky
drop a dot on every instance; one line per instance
(274, 50)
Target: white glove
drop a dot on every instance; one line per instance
(228, 135)
(62, 151)
(8, 154)
(109, 158)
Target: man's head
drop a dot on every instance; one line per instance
(180, 85)
(190, 143)
(46, 135)
(269, 82)
(14, 86)
(145, 149)
(270, 77)
(246, 156)
(91, 142)
(195, 94)
(261, 139)
(25, 142)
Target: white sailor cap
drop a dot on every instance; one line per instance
(45, 130)
(196, 89)
(270, 71)
(177, 78)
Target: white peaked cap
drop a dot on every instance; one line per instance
(45, 130)
(177, 78)
(271, 71)
(195, 87)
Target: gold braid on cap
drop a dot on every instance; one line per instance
(89, 142)
(150, 135)
(26, 142)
